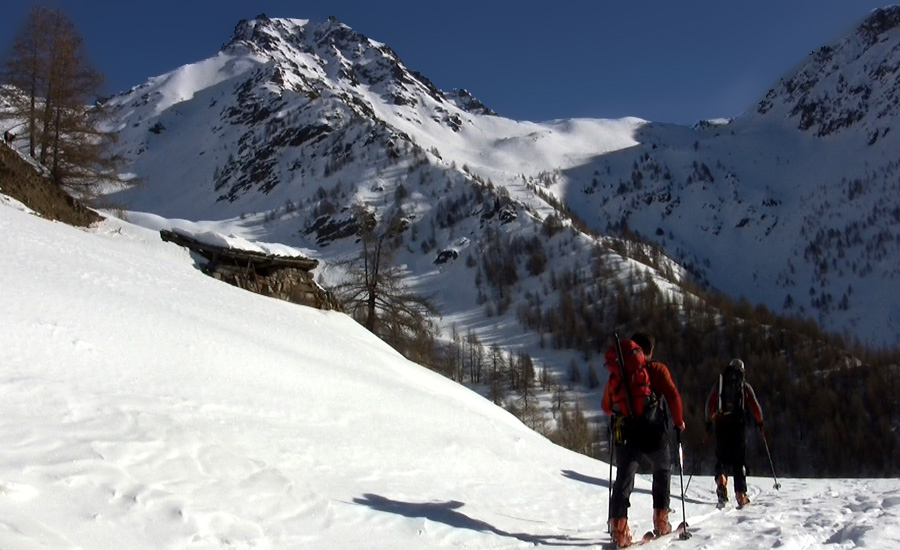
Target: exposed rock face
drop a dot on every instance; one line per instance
(282, 277)
(290, 284)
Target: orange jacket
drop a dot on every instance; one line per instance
(662, 385)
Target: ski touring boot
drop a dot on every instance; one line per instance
(661, 525)
(621, 534)
(722, 491)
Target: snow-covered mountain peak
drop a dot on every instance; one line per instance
(334, 52)
(853, 82)
(263, 35)
(879, 22)
(294, 120)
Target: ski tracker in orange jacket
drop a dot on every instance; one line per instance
(662, 385)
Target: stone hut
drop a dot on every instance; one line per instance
(287, 278)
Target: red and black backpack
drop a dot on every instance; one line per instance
(631, 395)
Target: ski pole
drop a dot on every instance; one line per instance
(693, 470)
(609, 499)
(771, 464)
(621, 360)
(684, 532)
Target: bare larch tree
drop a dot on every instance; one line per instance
(375, 294)
(52, 91)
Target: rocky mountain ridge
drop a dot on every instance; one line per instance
(793, 204)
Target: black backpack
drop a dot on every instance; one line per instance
(731, 393)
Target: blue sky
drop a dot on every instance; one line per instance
(660, 60)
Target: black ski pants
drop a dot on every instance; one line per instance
(731, 453)
(628, 458)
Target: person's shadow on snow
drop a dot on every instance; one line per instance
(446, 513)
(571, 474)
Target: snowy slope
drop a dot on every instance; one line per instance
(146, 405)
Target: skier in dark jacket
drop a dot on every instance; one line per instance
(648, 439)
(729, 402)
